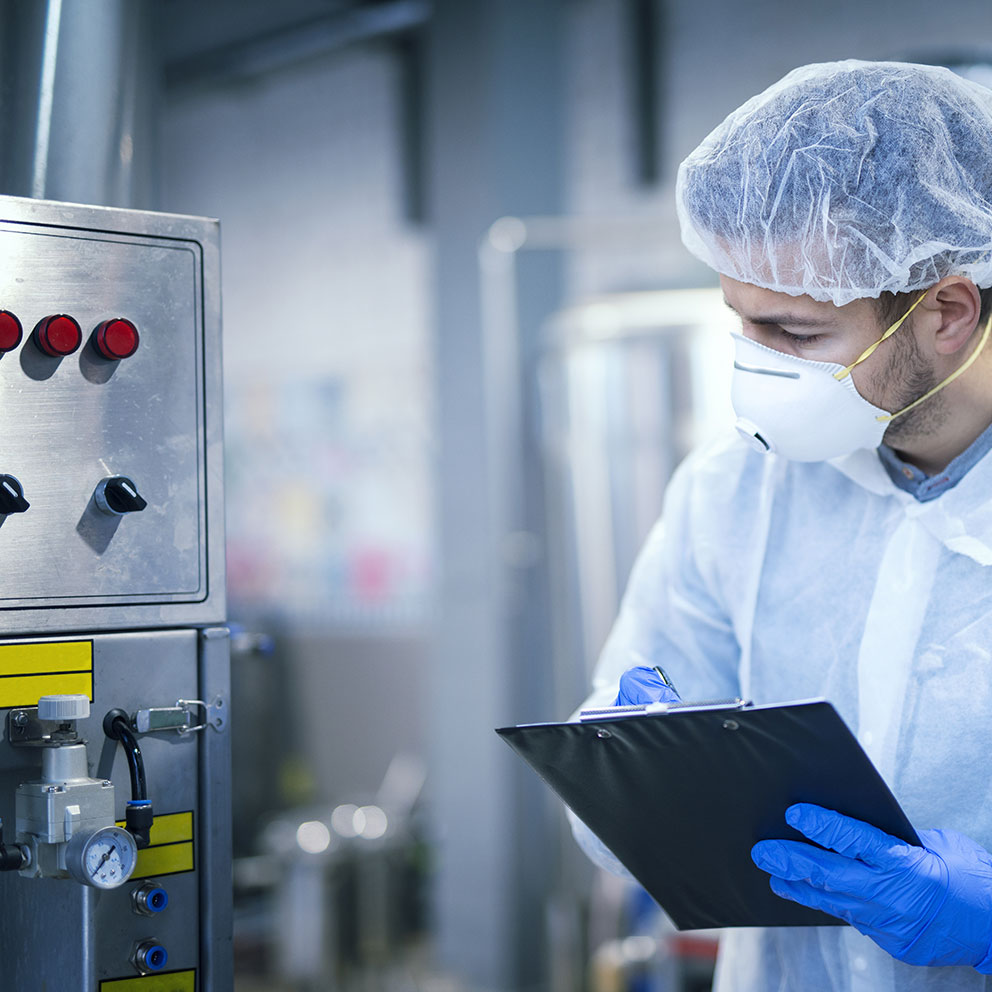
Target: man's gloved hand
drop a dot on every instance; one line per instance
(644, 685)
(929, 905)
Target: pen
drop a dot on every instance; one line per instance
(663, 675)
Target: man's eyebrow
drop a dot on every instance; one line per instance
(782, 319)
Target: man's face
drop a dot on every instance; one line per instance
(891, 378)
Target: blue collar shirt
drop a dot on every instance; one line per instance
(927, 487)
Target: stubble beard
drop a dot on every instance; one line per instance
(913, 378)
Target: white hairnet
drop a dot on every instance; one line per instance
(846, 180)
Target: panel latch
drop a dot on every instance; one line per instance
(188, 716)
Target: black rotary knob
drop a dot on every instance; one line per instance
(118, 495)
(11, 496)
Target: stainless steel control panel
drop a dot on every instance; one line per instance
(75, 423)
(112, 603)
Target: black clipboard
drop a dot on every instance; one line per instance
(680, 794)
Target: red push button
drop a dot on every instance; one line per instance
(11, 331)
(58, 335)
(116, 339)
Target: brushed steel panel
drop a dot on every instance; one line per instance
(69, 423)
(215, 866)
(67, 935)
(156, 417)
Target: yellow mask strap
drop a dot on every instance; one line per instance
(870, 350)
(940, 385)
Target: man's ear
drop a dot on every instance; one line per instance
(953, 306)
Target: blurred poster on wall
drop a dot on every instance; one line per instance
(328, 512)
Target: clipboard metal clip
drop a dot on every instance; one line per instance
(660, 709)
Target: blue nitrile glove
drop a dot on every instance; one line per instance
(644, 685)
(929, 905)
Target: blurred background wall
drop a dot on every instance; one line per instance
(457, 375)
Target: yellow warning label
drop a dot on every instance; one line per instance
(172, 827)
(171, 848)
(167, 860)
(28, 671)
(173, 981)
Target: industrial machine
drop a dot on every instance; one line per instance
(114, 661)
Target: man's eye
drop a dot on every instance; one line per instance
(800, 340)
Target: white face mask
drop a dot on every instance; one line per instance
(796, 408)
(812, 411)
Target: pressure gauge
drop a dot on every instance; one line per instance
(104, 858)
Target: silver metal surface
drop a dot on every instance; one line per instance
(69, 961)
(45, 812)
(188, 716)
(70, 423)
(213, 714)
(131, 671)
(64, 764)
(137, 417)
(216, 919)
(80, 89)
(61, 810)
(24, 729)
(109, 605)
(150, 721)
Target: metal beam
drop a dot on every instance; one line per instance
(304, 40)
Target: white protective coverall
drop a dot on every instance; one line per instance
(780, 580)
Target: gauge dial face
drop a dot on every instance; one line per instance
(108, 857)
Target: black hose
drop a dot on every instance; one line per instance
(117, 727)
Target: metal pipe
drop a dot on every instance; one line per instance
(46, 97)
(80, 91)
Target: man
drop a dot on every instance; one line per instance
(842, 546)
